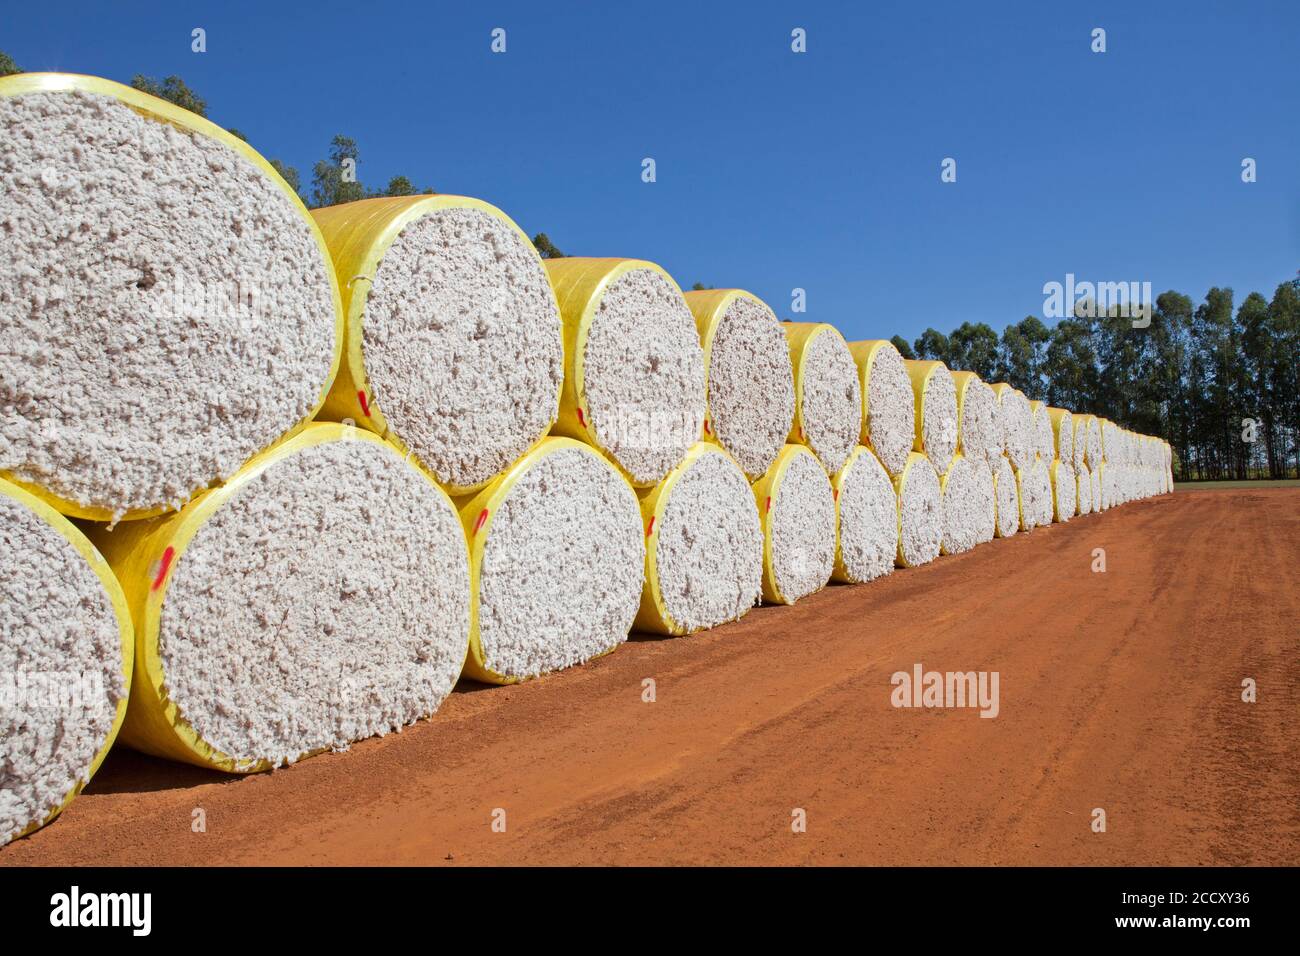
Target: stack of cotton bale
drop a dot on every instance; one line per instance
(385, 440)
(174, 326)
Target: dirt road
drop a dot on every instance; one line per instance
(1118, 690)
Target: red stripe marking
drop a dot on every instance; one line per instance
(650, 527)
(365, 405)
(581, 421)
(163, 566)
(706, 427)
(835, 493)
(482, 516)
(769, 503)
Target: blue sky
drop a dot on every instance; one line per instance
(779, 170)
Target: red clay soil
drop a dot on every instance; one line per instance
(1118, 690)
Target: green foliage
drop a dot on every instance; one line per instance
(173, 90)
(700, 287)
(545, 248)
(7, 65)
(289, 174)
(334, 180)
(337, 179)
(399, 186)
(931, 346)
(1191, 377)
(904, 349)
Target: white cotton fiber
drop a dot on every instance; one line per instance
(1007, 496)
(562, 568)
(800, 524)
(643, 374)
(750, 383)
(867, 512)
(61, 667)
(920, 510)
(166, 310)
(964, 505)
(889, 412)
(709, 544)
(462, 343)
(326, 600)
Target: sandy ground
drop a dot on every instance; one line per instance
(1119, 690)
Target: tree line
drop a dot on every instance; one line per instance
(1221, 384)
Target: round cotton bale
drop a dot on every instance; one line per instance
(797, 508)
(866, 513)
(888, 407)
(1043, 476)
(704, 546)
(979, 426)
(1109, 440)
(1035, 499)
(1083, 491)
(320, 597)
(965, 505)
(633, 365)
(936, 412)
(1079, 441)
(1094, 477)
(1044, 438)
(454, 347)
(1006, 496)
(66, 647)
(169, 309)
(988, 509)
(920, 512)
(828, 395)
(1093, 456)
(749, 384)
(1064, 491)
(1017, 424)
(557, 563)
(1062, 435)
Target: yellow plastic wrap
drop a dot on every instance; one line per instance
(765, 492)
(143, 555)
(921, 374)
(579, 285)
(708, 306)
(160, 111)
(357, 235)
(476, 514)
(652, 616)
(799, 336)
(74, 537)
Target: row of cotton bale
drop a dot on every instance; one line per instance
(273, 481)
